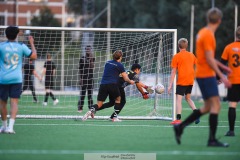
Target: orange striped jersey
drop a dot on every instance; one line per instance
(184, 62)
(205, 41)
(231, 54)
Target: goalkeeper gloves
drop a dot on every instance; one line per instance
(149, 89)
(145, 95)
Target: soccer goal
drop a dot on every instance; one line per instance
(151, 48)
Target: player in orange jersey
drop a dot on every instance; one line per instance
(183, 63)
(231, 56)
(207, 68)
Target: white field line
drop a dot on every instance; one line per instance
(80, 152)
(113, 125)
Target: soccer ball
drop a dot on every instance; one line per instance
(159, 88)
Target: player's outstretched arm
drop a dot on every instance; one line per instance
(125, 77)
(43, 73)
(214, 64)
(148, 88)
(34, 51)
(223, 67)
(140, 89)
(36, 75)
(173, 73)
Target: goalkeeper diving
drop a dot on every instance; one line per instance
(133, 74)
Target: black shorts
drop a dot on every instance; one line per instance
(10, 90)
(184, 90)
(233, 94)
(122, 93)
(28, 83)
(49, 84)
(106, 90)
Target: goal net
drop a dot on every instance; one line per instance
(151, 48)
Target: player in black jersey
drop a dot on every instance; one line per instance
(28, 80)
(49, 70)
(133, 74)
(86, 82)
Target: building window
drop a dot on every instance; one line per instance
(2, 20)
(37, 1)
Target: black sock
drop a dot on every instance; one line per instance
(34, 96)
(192, 117)
(178, 116)
(46, 97)
(213, 122)
(106, 105)
(52, 96)
(94, 108)
(117, 109)
(231, 118)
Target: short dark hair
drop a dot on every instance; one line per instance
(135, 66)
(117, 55)
(88, 47)
(12, 32)
(214, 15)
(49, 56)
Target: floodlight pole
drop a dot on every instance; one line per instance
(213, 3)
(108, 33)
(192, 28)
(62, 47)
(236, 19)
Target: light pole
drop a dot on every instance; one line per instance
(213, 3)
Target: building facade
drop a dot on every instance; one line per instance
(20, 12)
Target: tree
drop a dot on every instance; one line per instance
(75, 6)
(46, 18)
(46, 43)
(170, 14)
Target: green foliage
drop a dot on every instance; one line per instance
(46, 19)
(45, 43)
(167, 14)
(75, 6)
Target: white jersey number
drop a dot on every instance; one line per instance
(11, 61)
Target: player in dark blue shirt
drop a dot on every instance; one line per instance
(133, 74)
(109, 83)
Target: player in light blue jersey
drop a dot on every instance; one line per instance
(11, 56)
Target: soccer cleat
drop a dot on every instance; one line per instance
(45, 103)
(230, 134)
(10, 131)
(85, 117)
(216, 143)
(92, 115)
(115, 119)
(3, 129)
(178, 132)
(197, 121)
(178, 121)
(55, 102)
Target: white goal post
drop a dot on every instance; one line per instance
(151, 48)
